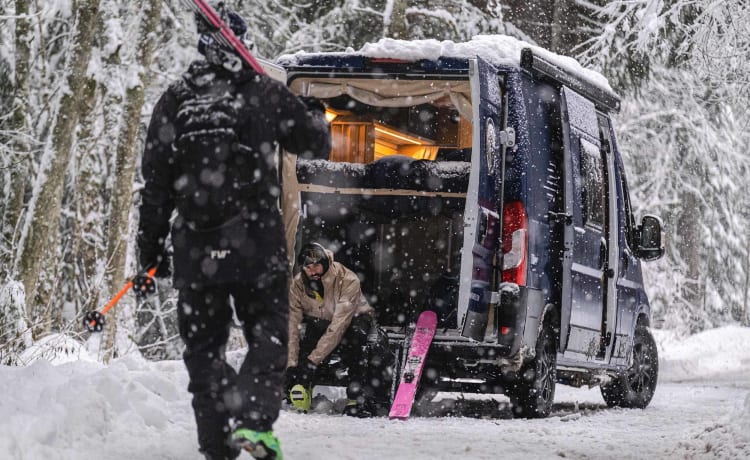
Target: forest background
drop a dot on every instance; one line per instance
(78, 80)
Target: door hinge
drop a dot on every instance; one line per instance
(508, 137)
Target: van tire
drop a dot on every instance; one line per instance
(534, 393)
(635, 387)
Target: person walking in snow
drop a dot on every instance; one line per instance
(338, 320)
(210, 154)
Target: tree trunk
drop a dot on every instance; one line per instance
(19, 125)
(396, 24)
(745, 317)
(563, 27)
(87, 247)
(690, 247)
(41, 242)
(121, 201)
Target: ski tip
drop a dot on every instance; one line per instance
(427, 316)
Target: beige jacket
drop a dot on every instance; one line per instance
(343, 299)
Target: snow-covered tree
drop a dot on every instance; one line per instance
(683, 68)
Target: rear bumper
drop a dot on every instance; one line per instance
(458, 363)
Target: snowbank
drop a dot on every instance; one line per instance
(722, 353)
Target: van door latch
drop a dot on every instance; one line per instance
(508, 137)
(563, 217)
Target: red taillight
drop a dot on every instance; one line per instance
(515, 239)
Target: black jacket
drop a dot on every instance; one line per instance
(211, 154)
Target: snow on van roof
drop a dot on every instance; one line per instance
(496, 49)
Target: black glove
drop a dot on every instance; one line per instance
(313, 103)
(144, 285)
(304, 374)
(163, 263)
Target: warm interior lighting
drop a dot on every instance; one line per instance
(330, 115)
(395, 135)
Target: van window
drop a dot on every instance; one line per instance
(592, 173)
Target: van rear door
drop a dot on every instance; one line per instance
(483, 202)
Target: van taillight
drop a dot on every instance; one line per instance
(515, 238)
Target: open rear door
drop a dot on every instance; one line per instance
(482, 220)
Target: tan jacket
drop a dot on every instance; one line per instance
(343, 299)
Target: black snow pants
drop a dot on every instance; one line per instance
(363, 351)
(252, 396)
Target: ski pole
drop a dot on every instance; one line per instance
(94, 320)
(222, 33)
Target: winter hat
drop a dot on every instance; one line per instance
(313, 253)
(231, 18)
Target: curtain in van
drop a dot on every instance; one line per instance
(390, 93)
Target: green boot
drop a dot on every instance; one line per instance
(301, 397)
(260, 444)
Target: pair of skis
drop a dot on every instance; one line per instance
(222, 33)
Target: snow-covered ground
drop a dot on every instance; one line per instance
(135, 409)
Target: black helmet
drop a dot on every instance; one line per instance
(209, 47)
(313, 253)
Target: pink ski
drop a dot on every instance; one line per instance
(412, 368)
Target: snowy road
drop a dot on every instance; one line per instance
(685, 420)
(135, 409)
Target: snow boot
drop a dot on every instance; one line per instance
(355, 409)
(301, 397)
(261, 444)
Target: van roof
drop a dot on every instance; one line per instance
(499, 50)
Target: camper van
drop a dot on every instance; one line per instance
(483, 181)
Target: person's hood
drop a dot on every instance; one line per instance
(201, 74)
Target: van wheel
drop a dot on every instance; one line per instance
(635, 387)
(535, 391)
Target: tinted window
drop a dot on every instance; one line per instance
(592, 173)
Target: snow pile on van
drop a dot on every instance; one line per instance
(496, 49)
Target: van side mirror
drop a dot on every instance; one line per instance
(650, 246)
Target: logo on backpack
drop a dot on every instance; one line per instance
(220, 254)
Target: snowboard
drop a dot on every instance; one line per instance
(222, 33)
(413, 365)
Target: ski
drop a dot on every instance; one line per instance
(222, 33)
(413, 365)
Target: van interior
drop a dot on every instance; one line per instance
(389, 200)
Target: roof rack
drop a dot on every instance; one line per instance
(539, 66)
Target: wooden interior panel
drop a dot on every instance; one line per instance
(352, 142)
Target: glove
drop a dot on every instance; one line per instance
(313, 103)
(304, 374)
(163, 263)
(163, 269)
(144, 285)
